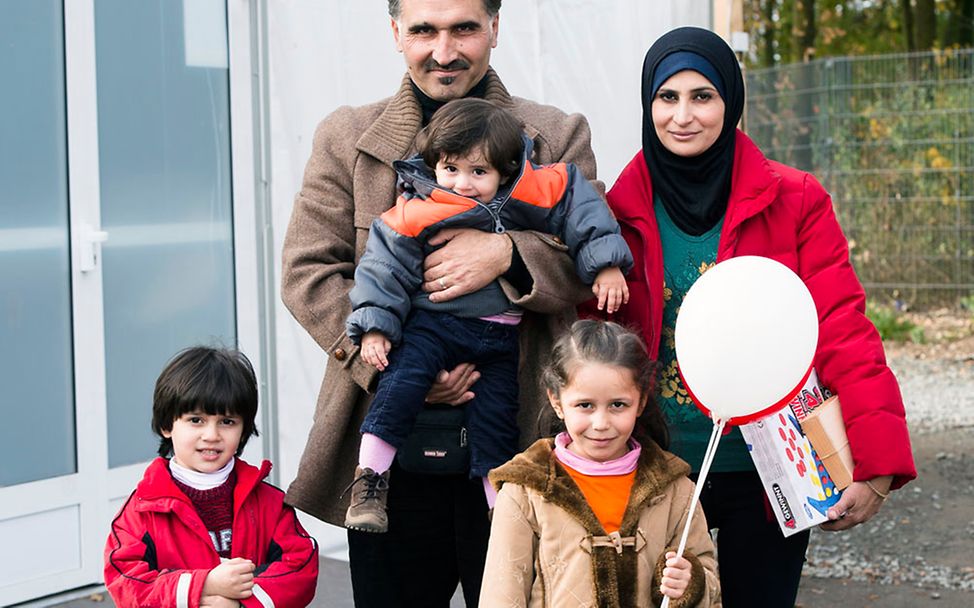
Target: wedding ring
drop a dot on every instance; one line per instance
(442, 283)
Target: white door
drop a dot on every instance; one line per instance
(119, 246)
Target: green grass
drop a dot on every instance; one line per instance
(967, 303)
(892, 326)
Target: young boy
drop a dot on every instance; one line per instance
(202, 528)
(473, 170)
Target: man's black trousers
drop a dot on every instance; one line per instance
(438, 532)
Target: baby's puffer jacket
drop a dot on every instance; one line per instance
(554, 199)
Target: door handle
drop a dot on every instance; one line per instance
(91, 241)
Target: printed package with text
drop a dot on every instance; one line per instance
(797, 484)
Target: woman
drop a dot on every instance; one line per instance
(700, 192)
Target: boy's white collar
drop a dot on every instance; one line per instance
(197, 480)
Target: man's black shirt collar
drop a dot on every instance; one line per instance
(429, 106)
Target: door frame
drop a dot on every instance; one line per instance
(94, 492)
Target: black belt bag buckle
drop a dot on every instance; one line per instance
(437, 444)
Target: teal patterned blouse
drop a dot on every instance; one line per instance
(685, 258)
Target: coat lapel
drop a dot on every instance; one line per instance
(391, 136)
(656, 472)
(754, 186)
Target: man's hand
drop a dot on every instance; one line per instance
(858, 504)
(469, 260)
(453, 387)
(610, 286)
(676, 576)
(374, 349)
(233, 579)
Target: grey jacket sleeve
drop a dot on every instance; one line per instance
(583, 220)
(389, 273)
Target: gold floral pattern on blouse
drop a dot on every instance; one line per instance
(678, 406)
(671, 386)
(669, 338)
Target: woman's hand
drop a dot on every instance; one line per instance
(453, 387)
(374, 349)
(233, 579)
(611, 289)
(676, 576)
(858, 504)
(469, 260)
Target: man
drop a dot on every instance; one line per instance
(438, 525)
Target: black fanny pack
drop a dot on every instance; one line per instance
(437, 444)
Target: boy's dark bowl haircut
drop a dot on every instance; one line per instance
(211, 380)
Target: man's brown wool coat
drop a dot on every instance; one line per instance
(348, 182)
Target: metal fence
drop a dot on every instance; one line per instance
(892, 139)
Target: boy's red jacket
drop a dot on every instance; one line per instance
(159, 552)
(782, 213)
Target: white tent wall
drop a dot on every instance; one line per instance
(580, 55)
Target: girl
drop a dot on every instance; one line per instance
(591, 517)
(700, 192)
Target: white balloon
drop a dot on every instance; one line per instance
(745, 337)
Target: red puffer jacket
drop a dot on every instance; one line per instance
(782, 213)
(159, 552)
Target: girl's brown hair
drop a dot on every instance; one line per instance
(608, 343)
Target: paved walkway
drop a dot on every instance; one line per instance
(334, 590)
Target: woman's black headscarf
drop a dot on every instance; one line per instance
(694, 190)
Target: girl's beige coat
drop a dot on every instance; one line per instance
(541, 549)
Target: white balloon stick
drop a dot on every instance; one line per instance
(708, 459)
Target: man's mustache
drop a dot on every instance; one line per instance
(456, 64)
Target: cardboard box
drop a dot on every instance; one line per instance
(796, 481)
(825, 428)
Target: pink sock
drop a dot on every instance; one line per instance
(490, 493)
(375, 454)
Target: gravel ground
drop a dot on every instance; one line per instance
(920, 547)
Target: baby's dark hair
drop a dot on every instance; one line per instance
(211, 380)
(464, 125)
(608, 343)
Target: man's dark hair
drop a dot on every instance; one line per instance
(492, 7)
(464, 125)
(216, 381)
